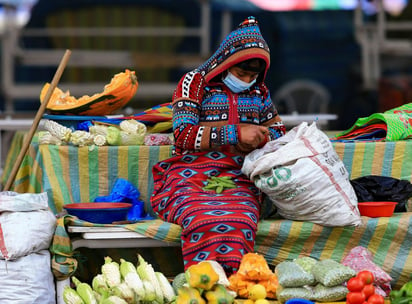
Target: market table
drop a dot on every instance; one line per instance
(72, 174)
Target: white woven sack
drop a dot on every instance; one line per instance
(305, 178)
(27, 280)
(28, 231)
(14, 201)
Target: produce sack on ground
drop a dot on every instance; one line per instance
(305, 178)
(27, 224)
(27, 280)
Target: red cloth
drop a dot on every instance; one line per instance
(219, 227)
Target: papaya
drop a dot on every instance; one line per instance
(116, 94)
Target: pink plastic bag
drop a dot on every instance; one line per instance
(158, 139)
(360, 258)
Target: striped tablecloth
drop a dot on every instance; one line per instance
(79, 174)
(71, 174)
(389, 239)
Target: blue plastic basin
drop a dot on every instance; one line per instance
(100, 213)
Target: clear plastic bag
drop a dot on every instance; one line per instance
(306, 263)
(291, 274)
(329, 294)
(331, 273)
(284, 294)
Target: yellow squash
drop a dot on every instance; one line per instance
(202, 275)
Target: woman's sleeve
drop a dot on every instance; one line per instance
(189, 135)
(269, 116)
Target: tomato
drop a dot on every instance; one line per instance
(355, 284)
(355, 298)
(376, 299)
(366, 276)
(368, 290)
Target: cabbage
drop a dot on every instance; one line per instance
(113, 136)
(133, 126)
(131, 139)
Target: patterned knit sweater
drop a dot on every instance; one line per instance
(206, 114)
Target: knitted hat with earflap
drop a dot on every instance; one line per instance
(245, 42)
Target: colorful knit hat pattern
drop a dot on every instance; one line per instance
(243, 43)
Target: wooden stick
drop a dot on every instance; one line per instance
(37, 118)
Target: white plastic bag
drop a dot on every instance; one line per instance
(27, 225)
(305, 178)
(27, 280)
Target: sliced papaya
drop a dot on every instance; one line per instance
(116, 94)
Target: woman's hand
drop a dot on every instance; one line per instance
(252, 137)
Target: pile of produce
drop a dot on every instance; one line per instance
(128, 132)
(254, 283)
(362, 290)
(122, 283)
(115, 95)
(403, 295)
(325, 281)
(219, 183)
(204, 282)
(254, 271)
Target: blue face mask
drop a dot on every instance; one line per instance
(235, 84)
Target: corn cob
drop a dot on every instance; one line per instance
(85, 291)
(111, 272)
(99, 140)
(70, 296)
(167, 289)
(99, 298)
(98, 130)
(57, 130)
(46, 138)
(132, 279)
(125, 292)
(81, 138)
(149, 292)
(147, 273)
(113, 300)
(99, 285)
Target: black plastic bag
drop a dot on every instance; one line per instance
(374, 188)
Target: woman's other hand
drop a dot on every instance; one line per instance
(252, 137)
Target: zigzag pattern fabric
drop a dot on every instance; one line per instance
(222, 226)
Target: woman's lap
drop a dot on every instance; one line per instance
(214, 226)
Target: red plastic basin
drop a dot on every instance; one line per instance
(377, 209)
